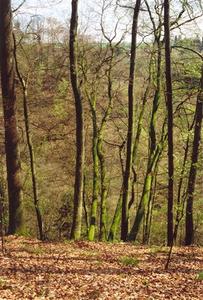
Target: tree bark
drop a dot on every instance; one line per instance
(85, 205)
(116, 219)
(30, 146)
(95, 193)
(118, 211)
(99, 156)
(154, 151)
(169, 100)
(189, 226)
(78, 187)
(130, 134)
(145, 194)
(32, 167)
(10, 121)
(104, 191)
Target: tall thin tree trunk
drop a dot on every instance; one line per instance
(85, 206)
(137, 137)
(180, 200)
(154, 150)
(141, 115)
(2, 198)
(101, 155)
(189, 226)
(152, 206)
(118, 211)
(95, 194)
(10, 122)
(104, 192)
(148, 218)
(78, 187)
(30, 147)
(130, 135)
(116, 219)
(32, 167)
(145, 194)
(169, 99)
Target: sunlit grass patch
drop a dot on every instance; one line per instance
(157, 249)
(200, 276)
(129, 261)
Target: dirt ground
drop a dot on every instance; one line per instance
(30, 269)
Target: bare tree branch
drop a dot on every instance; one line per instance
(19, 6)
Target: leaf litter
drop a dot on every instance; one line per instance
(30, 269)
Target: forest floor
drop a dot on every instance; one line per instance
(30, 269)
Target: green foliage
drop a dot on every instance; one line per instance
(200, 275)
(60, 106)
(129, 261)
(24, 231)
(63, 87)
(145, 283)
(156, 249)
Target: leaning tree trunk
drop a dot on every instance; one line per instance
(30, 146)
(189, 227)
(101, 154)
(95, 194)
(149, 214)
(180, 194)
(118, 210)
(130, 135)
(117, 214)
(169, 100)
(154, 151)
(10, 122)
(146, 193)
(78, 187)
(104, 191)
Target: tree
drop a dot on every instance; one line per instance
(189, 226)
(169, 104)
(78, 187)
(24, 85)
(131, 117)
(103, 72)
(10, 121)
(155, 148)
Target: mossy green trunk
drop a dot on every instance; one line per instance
(116, 220)
(154, 151)
(104, 192)
(149, 211)
(95, 193)
(117, 215)
(141, 208)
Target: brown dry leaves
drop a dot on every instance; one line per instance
(34, 270)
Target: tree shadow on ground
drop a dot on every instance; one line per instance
(56, 265)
